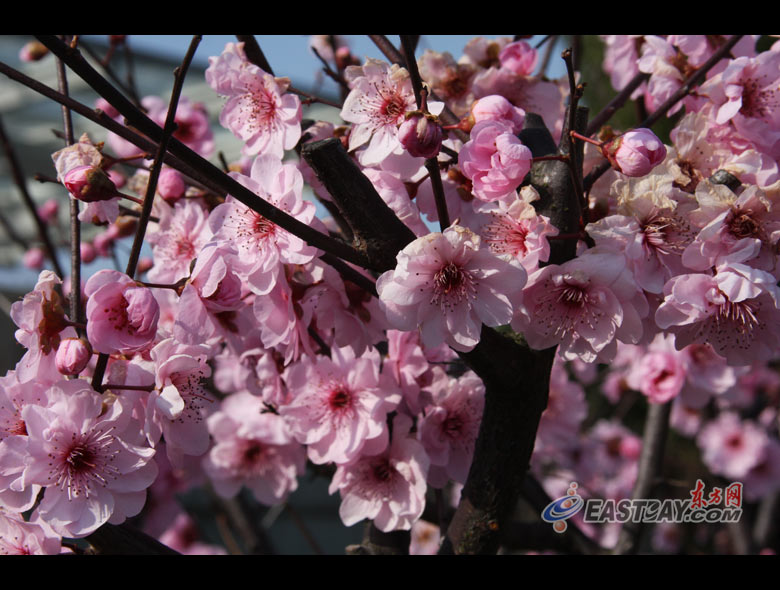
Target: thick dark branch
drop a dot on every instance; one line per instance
(254, 53)
(18, 176)
(142, 123)
(516, 379)
(650, 462)
(377, 232)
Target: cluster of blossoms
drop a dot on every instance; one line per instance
(245, 356)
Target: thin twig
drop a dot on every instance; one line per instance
(254, 53)
(612, 107)
(18, 176)
(75, 224)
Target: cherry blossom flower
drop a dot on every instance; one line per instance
(377, 104)
(519, 57)
(495, 160)
(448, 430)
(497, 108)
(259, 110)
(387, 488)
(730, 446)
(339, 406)
(121, 315)
(421, 136)
(583, 306)
(736, 311)
(20, 537)
(262, 245)
(88, 459)
(192, 122)
(636, 152)
(449, 285)
(252, 449)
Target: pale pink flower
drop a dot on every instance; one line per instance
(20, 537)
(34, 258)
(377, 104)
(339, 406)
(620, 60)
(262, 245)
(661, 60)
(410, 368)
(121, 315)
(183, 536)
(764, 478)
(584, 305)
(448, 79)
(449, 427)
(519, 58)
(253, 448)
(170, 185)
(513, 229)
(426, 538)
(448, 285)
(42, 324)
(87, 457)
(736, 311)
(182, 232)
(746, 94)
(394, 192)
(660, 372)
(213, 288)
(609, 460)
(259, 110)
(387, 488)
(731, 447)
(179, 404)
(495, 160)
(497, 108)
(707, 375)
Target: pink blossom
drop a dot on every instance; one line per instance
(519, 57)
(177, 240)
(450, 425)
(89, 184)
(636, 152)
(183, 536)
(33, 51)
(339, 406)
(262, 245)
(659, 373)
(495, 160)
(20, 537)
(179, 404)
(88, 458)
(34, 258)
(121, 315)
(410, 368)
(497, 108)
(583, 306)
(620, 60)
(661, 60)
(252, 448)
(259, 110)
(746, 95)
(514, 230)
(736, 311)
(449, 79)
(387, 488)
(448, 285)
(170, 185)
(731, 447)
(378, 101)
(88, 252)
(48, 211)
(213, 288)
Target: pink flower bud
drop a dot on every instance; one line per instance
(88, 252)
(49, 210)
(34, 258)
(89, 184)
(635, 153)
(420, 136)
(106, 107)
(103, 243)
(519, 57)
(170, 185)
(33, 51)
(73, 356)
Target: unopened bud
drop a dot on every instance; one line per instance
(34, 258)
(635, 153)
(88, 252)
(48, 211)
(89, 184)
(421, 136)
(170, 185)
(73, 355)
(33, 51)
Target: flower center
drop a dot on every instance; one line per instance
(339, 399)
(742, 225)
(382, 469)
